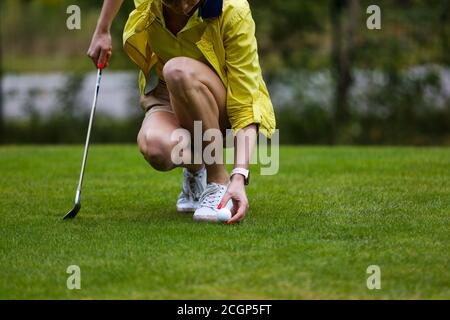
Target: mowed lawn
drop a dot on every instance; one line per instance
(311, 232)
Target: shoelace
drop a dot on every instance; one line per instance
(194, 188)
(194, 185)
(211, 196)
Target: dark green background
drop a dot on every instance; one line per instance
(296, 38)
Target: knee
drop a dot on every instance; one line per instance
(179, 73)
(156, 150)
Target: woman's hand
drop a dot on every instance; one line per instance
(244, 143)
(100, 50)
(236, 192)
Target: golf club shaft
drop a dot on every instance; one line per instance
(86, 146)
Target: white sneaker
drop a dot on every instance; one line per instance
(192, 188)
(209, 201)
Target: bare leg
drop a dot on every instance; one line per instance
(155, 144)
(197, 94)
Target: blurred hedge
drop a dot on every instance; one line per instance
(295, 38)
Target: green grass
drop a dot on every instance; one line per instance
(311, 232)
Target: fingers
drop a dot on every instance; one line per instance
(224, 201)
(104, 57)
(100, 49)
(94, 55)
(235, 207)
(236, 193)
(240, 214)
(100, 57)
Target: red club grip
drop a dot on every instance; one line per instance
(100, 66)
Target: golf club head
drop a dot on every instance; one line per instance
(72, 213)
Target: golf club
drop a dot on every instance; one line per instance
(72, 213)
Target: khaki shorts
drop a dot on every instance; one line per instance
(156, 100)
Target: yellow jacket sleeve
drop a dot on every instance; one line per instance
(242, 68)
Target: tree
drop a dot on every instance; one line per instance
(444, 30)
(344, 19)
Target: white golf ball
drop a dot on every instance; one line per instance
(224, 214)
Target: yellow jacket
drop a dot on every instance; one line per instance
(229, 45)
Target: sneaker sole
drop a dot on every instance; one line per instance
(186, 210)
(206, 219)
